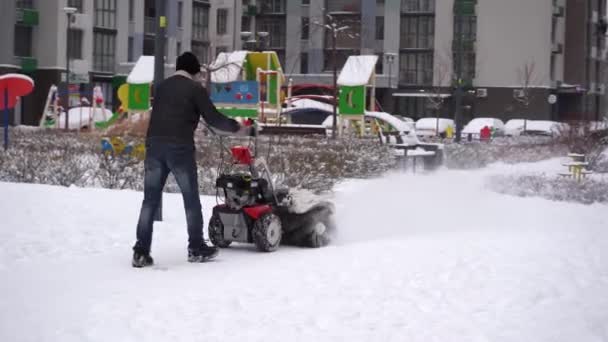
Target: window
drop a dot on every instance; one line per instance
(379, 28)
(305, 2)
(343, 5)
(379, 64)
(417, 6)
(23, 41)
(417, 32)
(105, 14)
(276, 31)
(222, 21)
(150, 9)
(272, 6)
(416, 68)
(305, 28)
(148, 46)
(131, 10)
(200, 22)
(201, 50)
(178, 48)
(76, 4)
(104, 51)
(220, 49)
(130, 51)
(180, 10)
(75, 44)
(25, 3)
(245, 23)
(465, 28)
(304, 63)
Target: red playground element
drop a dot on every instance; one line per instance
(485, 133)
(14, 85)
(257, 211)
(242, 155)
(249, 96)
(239, 96)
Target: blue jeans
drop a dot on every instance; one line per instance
(179, 159)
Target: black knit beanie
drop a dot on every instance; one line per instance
(188, 63)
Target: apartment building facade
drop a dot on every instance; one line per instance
(550, 51)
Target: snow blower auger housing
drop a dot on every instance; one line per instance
(255, 212)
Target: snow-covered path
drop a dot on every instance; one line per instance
(419, 258)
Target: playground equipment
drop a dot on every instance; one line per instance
(358, 76)
(12, 86)
(247, 84)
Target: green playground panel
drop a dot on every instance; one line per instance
(239, 112)
(139, 96)
(352, 100)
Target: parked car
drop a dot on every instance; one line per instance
(515, 127)
(473, 128)
(430, 127)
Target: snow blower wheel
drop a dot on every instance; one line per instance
(216, 232)
(267, 232)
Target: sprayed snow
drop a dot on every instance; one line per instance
(308, 103)
(143, 71)
(79, 116)
(419, 258)
(357, 70)
(228, 66)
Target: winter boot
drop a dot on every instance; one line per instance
(142, 260)
(202, 254)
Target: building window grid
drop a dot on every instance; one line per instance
(104, 51)
(76, 4)
(416, 68)
(22, 46)
(272, 6)
(379, 28)
(352, 6)
(75, 43)
(180, 13)
(417, 6)
(105, 14)
(200, 22)
(29, 4)
(305, 28)
(417, 32)
(222, 21)
(201, 51)
(276, 32)
(468, 37)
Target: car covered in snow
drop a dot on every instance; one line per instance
(431, 127)
(473, 129)
(517, 127)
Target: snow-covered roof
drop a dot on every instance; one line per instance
(229, 66)
(143, 71)
(358, 70)
(475, 126)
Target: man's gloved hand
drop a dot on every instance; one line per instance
(249, 128)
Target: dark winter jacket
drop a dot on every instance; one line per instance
(179, 103)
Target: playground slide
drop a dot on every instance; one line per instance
(109, 122)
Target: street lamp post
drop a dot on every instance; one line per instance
(69, 11)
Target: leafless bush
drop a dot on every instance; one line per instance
(314, 163)
(559, 189)
(508, 150)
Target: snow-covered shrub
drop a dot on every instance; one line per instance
(554, 188)
(508, 150)
(314, 163)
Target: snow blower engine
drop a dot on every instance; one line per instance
(255, 212)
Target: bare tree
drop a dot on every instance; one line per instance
(442, 72)
(526, 76)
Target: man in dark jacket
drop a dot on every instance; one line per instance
(179, 103)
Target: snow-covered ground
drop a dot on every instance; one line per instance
(419, 258)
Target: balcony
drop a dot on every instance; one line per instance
(27, 17)
(343, 6)
(27, 64)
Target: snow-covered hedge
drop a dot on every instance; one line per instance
(508, 150)
(58, 158)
